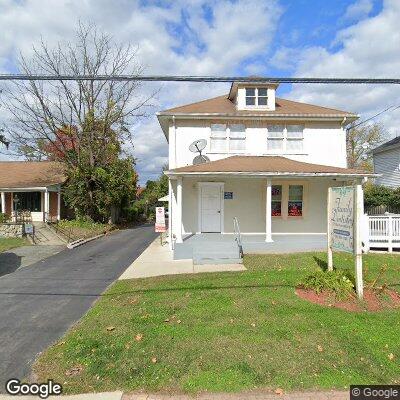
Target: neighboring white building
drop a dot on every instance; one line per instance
(387, 163)
(271, 163)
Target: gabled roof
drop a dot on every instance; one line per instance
(391, 144)
(265, 165)
(221, 105)
(30, 174)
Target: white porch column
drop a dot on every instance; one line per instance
(170, 206)
(3, 202)
(59, 204)
(179, 238)
(46, 205)
(268, 212)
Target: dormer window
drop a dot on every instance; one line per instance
(257, 97)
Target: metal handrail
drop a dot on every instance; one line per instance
(238, 235)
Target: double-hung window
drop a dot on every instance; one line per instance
(295, 203)
(294, 136)
(285, 138)
(276, 200)
(256, 97)
(231, 138)
(218, 138)
(237, 137)
(276, 137)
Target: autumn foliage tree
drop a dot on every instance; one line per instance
(82, 123)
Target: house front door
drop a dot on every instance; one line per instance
(211, 208)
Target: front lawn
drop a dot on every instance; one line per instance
(228, 332)
(9, 243)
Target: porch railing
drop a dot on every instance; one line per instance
(238, 235)
(384, 231)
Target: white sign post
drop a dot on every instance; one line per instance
(344, 226)
(160, 221)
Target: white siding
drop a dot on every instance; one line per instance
(387, 163)
(248, 204)
(324, 143)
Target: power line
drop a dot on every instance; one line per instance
(176, 78)
(374, 116)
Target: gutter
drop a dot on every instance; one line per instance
(274, 174)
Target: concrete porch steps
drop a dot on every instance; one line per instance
(209, 253)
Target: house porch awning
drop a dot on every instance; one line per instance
(266, 166)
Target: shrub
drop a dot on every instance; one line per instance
(338, 282)
(4, 218)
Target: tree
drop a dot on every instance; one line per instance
(83, 124)
(359, 141)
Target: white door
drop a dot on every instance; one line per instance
(211, 208)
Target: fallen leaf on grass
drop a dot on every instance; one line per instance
(127, 346)
(60, 343)
(279, 391)
(74, 370)
(253, 325)
(391, 356)
(154, 360)
(166, 320)
(320, 349)
(138, 337)
(179, 321)
(110, 328)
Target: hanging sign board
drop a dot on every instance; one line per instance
(160, 220)
(341, 218)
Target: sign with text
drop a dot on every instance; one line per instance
(341, 218)
(160, 219)
(228, 195)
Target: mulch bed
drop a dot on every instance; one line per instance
(374, 300)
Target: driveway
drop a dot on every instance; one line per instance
(40, 302)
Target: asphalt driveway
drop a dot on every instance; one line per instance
(40, 302)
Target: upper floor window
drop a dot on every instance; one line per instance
(227, 138)
(285, 138)
(256, 96)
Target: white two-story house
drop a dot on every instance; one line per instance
(268, 162)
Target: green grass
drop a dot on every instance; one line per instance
(238, 331)
(9, 243)
(78, 228)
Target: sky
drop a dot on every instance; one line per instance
(320, 38)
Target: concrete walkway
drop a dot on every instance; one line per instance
(157, 260)
(332, 395)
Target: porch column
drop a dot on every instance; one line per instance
(179, 238)
(58, 204)
(170, 200)
(46, 205)
(3, 202)
(268, 212)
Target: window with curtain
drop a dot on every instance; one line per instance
(294, 136)
(275, 137)
(295, 203)
(218, 139)
(237, 137)
(276, 200)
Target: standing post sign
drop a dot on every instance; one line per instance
(344, 223)
(160, 221)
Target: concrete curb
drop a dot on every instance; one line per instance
(86, 396)
(80, 242)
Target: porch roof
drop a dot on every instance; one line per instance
(265, 166)
(30, 174)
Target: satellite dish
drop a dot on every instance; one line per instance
(200, 159)
(196, 147)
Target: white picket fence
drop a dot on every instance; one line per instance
(383, 232)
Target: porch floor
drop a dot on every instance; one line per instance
(252, 244)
